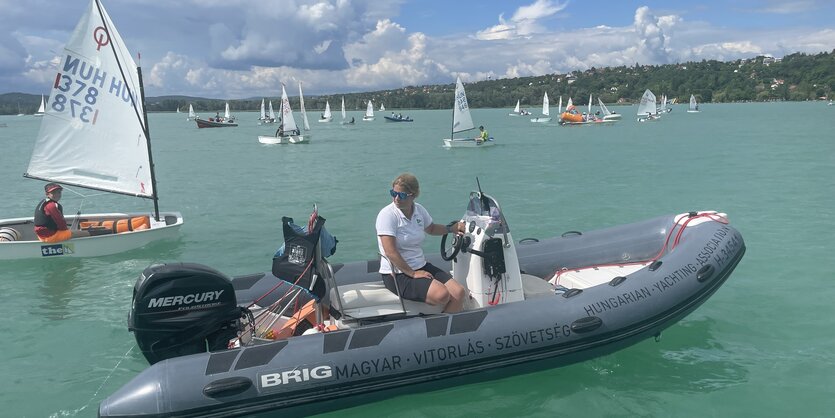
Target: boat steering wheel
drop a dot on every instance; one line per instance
(457, 245)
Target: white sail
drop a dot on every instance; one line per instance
(304, 113)
(461, 119)
(178, 109)
(603, 108)
(344, 115)
(589, 111)
(517, 109)
(95, 137)
(559, 108)
(382, 107)
(271, 114)
(263, 111)
(647, 105)
(226, 114)
(41, 108)
(191, 114)
(546, 105)
(328, 114)
(369, 110)
(694, 107)
(287, 112)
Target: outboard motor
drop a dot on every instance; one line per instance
(183, 308)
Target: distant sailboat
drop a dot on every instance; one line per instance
(382, 107)
(288, 132)
(462, 121)
(546, 110)
(647, 108)
(607, 114)
(694, 107)
(369, 112)
(271, 114)
(304, 112)
(178, 109)
(263, 111)
(42, 108)
(517, 111)
(345, 115)
(327, 116)
(191, 114)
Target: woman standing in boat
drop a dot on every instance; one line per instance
(401, 228)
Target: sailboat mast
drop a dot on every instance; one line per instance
(148, 141)
(144, 117)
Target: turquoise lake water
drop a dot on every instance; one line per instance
(762, 346)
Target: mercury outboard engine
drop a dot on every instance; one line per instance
(183, 308)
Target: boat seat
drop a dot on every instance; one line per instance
(583, 278)
(533, 287)
(373, 299)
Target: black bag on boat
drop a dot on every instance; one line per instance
(295, 266)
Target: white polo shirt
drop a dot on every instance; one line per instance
(408, 233)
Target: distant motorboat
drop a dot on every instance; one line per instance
(398, 118)
(225, 121)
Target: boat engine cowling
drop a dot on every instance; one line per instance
(183, 308)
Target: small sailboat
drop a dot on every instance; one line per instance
(42, 108)
(546, 111)
(263, 114)
(191, 114)
(462, 121)
(382, 107)
(288, 132)
(518, 111)
(369, 112)
(270, 114)
(607, 114)
(327, 116)
(694, 107)
(306, 124)
(103, 144)
(178, 109)
(647, 111)
(345, 115)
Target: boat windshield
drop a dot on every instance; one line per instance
(486, 213)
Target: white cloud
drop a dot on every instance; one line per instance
(524, 23)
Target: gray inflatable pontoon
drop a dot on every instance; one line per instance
(533, 305)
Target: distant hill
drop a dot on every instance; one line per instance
(795, 77)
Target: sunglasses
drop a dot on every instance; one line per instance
(400, 195)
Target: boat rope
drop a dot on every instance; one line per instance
(109, 375)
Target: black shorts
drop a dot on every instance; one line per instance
(416, 289)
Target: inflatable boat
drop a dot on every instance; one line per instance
(312, 336)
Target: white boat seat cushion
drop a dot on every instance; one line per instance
(373, 299)
(533, 287)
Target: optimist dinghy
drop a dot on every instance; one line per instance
(322, 334)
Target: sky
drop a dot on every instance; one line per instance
(236, 49)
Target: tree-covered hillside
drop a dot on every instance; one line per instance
(795, 77)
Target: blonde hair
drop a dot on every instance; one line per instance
(409, 182)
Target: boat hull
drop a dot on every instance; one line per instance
(327, 370)
(391, 119)
(468, 143)
(204, 123)
(290, 139)
(28, 247)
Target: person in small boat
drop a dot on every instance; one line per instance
(50, 225)
(483, 136)
(401, 229)
(280, 130)
(352, 119)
